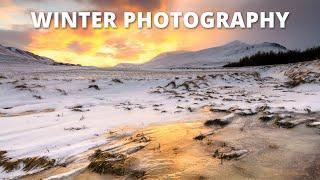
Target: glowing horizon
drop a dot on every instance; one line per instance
(109, 47)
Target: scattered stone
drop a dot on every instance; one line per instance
(218, 110)
(157, 105)
(291, 124)
(266, 118)
(96, 87)
(201, 78)
(220, 122)
(171, 84)
(231, 154)
(236, 154)
(13, 82)
(63, 92)
(273, 146)
(190, 109)
(117, 81)
(308, 110)
(21, 87)
(187, 85)
(200, 137)
(140, 138)
(134, 149)
(79, 110)
(245, 112)
(2, 77)
(75, 128)
(37, 97)
(313, 124)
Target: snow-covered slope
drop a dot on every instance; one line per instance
(21, 54)
(126, 66)
(212, 57)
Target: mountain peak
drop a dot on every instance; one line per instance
(276, 45)
(211, 57)
(18, 53)
(235, 43)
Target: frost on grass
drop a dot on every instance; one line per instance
(27, 164)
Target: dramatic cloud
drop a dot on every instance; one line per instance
(105, 47)
(20, 39)
(139, 5)
(79, 47)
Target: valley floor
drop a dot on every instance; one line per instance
(263, 121)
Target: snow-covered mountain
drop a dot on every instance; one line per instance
(12, 53)
(211, 57)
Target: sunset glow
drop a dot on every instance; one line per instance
(109, 47)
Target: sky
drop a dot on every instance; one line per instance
(109, 47)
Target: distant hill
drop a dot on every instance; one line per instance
(15, 52)
(15, 55)
(211, 57)
(272, 58)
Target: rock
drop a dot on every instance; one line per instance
(134, 149)
(245, 112)
(216, 122)
(220, 122)
(236, 154)
(96, 87)
(21, 87)
(313, 124)
(266, 118)
(2, 77)
(232, 154)
(291, 124)
(200, 137)
(171, 84)
(117, 81)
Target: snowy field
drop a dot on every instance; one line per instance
(61, 111)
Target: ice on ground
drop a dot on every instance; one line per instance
(52, 111)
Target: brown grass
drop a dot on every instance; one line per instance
(27, 164)
(116, 164)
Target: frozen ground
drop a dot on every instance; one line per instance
(60, 111)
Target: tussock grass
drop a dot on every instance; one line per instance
(27, 164)
(117, 164)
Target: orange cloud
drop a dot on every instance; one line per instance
(109, 47)
(126, 5)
